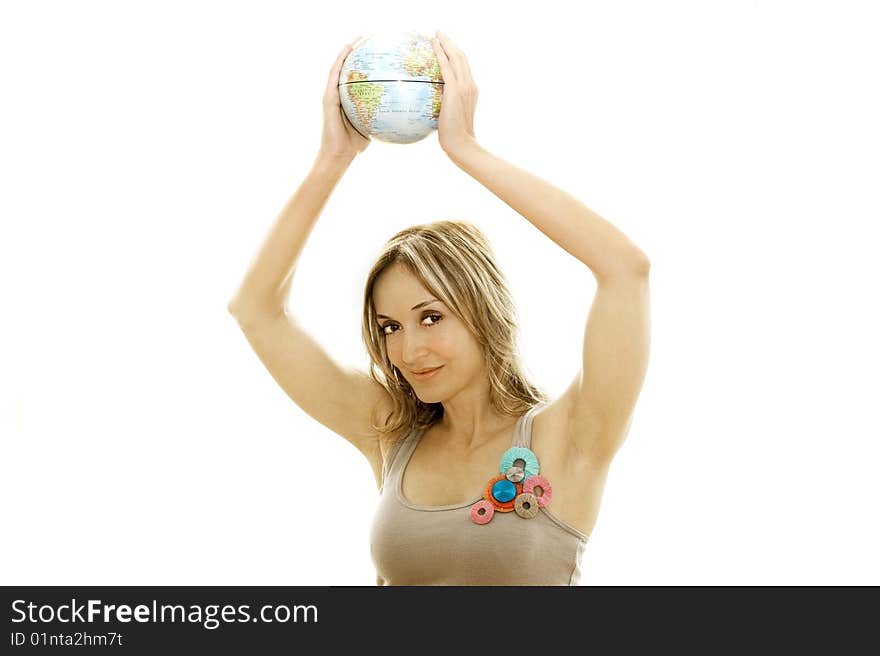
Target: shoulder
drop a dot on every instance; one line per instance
(388, 442)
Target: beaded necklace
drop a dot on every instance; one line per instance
(515, 488)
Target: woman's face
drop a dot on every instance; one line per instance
(421, 333)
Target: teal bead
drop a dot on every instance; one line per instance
(504, 490)
(528, 456)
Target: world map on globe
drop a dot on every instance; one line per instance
(390, 87)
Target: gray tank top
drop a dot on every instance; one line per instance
(441, 545)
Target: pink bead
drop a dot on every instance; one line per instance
(485, 517)
(536, 480)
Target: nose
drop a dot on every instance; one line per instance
(413, 351)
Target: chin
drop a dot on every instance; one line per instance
(429, 398)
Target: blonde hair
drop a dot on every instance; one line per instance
(454, 261)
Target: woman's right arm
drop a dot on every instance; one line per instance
(265, 288)
(343, 399)
(267, 283)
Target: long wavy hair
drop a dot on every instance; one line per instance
(454, 261)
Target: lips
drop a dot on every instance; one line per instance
(426, 373)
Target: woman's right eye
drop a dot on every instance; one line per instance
(384, 328)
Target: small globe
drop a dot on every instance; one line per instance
(390, 87)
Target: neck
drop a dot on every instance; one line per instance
(470, 423)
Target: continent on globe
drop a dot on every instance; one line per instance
(390, 87)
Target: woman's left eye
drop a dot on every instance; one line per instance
(434, 318)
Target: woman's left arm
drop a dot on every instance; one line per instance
(568, 222)
(587, 236)
(600, 401)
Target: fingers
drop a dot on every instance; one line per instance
(445, 66)
(459, 63)
(332, 91)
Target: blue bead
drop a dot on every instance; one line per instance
(504, 491)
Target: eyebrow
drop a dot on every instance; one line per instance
(414, 307)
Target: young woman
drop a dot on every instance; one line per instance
(483, 479)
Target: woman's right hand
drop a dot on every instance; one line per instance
(339, 139)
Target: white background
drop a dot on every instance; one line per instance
(147, 148)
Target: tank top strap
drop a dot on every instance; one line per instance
(522, 435)
(391, 465)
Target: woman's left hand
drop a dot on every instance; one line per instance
(456, 123)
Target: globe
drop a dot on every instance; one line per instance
(390, 87)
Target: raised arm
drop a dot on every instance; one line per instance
(599, 404)
(343, 399)
(567, 221)
(266, 285)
